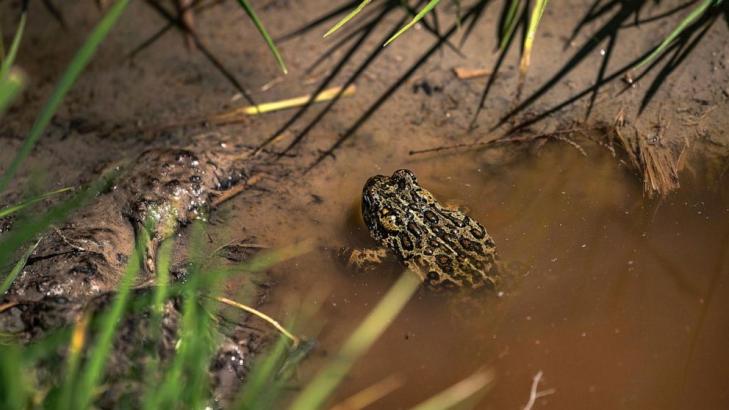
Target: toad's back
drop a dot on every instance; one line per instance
(445, 247)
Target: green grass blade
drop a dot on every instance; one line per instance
(319, 389)
(425, 10)
(77, 65)
(94, 369)
(348, 17)
(459, 392)
(693, 16)
(10, 86)
(195, 345)
(163, 275)
(260, 379)
(73, 360)
(269, 41)
(510, 23)
(531, 33)
(17, 207)
(14, 387)
(13, 52)
(17, 268)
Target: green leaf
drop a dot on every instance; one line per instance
(94, 369)
(510, 22)
(16, 269)
(425, 10)
(10, 86)
(534, 20)
(348, 17)
(319, 389)
(19, 206)
(693, 16)
(77, 65)
(13, 52)
(269, 41)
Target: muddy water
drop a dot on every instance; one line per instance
(623, 302)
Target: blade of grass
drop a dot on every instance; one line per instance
(10, 87)
(15, 390)
(255, 312)
(510, 23)
(17, 268)
(19, 206)
(269, 41)
(258, 387)
(319, 389)
(73, 360)
(459, 392)
(77, 65)
(196, 343)
(348, 17)
(534, 20)
(94, 369)
(690, 18)
(425, 10)
(371, 394)
(13, 51)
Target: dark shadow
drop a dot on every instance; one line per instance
(685, 47)
(571, 100)
(627, 9)
(433, 29)
(494, 72)
(369, 28)
(471, 13)
(663, 15)
(318, 21)
(55, 12)
(202, 48)
(609, 30)
(195, 6)
(481, 5)
(593, 13)
(355, 75)
(363, 33)
(601, 71)
(344, 39)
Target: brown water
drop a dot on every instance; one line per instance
(625, 304)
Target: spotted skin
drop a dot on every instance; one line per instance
(445, 247)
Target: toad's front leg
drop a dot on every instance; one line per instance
(364, 259)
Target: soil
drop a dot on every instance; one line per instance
(623, 302)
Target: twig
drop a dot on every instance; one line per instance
(295, 340)
(325, 95)
(470, 73)
(7, 306)
(500, 140)
(226, 195)
(534, 394)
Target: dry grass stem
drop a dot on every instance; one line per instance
(295, 340)
(7, 306)
(470, 73)
(230, 193)
(236, 114)
(371, 394)
(658, 163)
(535, 394)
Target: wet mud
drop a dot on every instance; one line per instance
(77, 266)
(622, 299)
